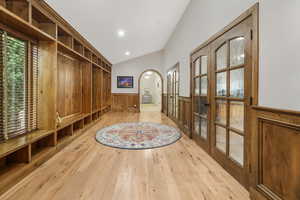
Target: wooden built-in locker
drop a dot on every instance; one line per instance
(73, 85)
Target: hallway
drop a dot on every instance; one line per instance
(150, 108)
(86, 169)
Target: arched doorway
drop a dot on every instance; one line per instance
(150, 91)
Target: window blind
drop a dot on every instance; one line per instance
(18, 86)
(14, 80)
(33, 100)
(2, 136)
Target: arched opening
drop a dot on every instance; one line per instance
(150, 91)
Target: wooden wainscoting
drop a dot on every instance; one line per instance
(165, 104)
(125, 102)
(275, 162)
(184, 120)
(184, 115)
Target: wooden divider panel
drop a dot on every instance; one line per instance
(69, 92)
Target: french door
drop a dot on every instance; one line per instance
(221, 88)
(201, 102)
(173, 92)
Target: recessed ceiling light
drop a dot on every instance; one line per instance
(121, 33)
(149, 73)
(127, 53)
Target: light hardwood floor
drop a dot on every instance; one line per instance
(150, 108)
(88, 170)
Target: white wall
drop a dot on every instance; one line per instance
(279, 77)
(279, 85)
(135, 67)
(201, 20)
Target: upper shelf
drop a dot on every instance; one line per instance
(68, 50)
(13, 21)
(97, 65)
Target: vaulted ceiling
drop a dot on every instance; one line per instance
(147, 24)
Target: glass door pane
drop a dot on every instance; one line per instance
(221, 140)
(173, 93)
(237, 115)
(237, 83)
(236, 147)
(237, 51)
(169, 95)
(203, 98)
(196, 125)
(203, 125)
(221, 57)
(221, 84)
(197, 67)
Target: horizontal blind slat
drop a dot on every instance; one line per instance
(15, 86)
(18, 87)
(2, 136)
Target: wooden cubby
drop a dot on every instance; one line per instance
(87, 120)
(87, 54)
(43, 145)
(99, 61)
(99, 114)
(11, 164)
(64, 133)
(18, 7)
(64, 37)
(95, 116)
(94, 59)
(78, 47)
(42, 22)
(78, 126)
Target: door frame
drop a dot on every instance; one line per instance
(162, 87)
(177, 68)
(204, 143)
(254, 13)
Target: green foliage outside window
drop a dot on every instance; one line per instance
(14, 83)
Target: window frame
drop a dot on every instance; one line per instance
(28, 73)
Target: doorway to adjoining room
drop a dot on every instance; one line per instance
(150, 91)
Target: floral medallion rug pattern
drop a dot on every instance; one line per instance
(140, 135)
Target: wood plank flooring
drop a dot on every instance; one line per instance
(87, 170)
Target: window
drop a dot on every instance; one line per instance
(18, 86)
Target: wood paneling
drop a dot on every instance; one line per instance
(165, 103)
(47, 85)
(69, 93)
(123, 102)
(87, 85)
(184, 115)
(97, 88)
(106, 98)
(275, 154)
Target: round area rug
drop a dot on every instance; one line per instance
(140, 135)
